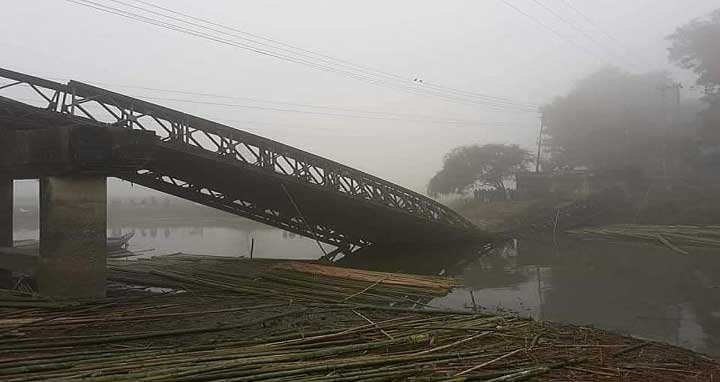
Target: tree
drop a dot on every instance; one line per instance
(611, 120)
(695, 46)
(469, 167)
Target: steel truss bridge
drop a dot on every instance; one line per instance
(230, 169)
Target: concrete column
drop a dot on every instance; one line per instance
(6, 212)
(73, 235)
(6, 225)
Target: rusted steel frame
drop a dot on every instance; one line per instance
(240, 207)
(253, 152)
(240, 157)
(302, 216)
(274, 161)
(111, 102)
(189, 136)
(55, 100)
(394, 198)
(28, 79)
(11, 85)
(41, 93)
(134, 121)
(63, 104)
(361, 189)
(233, 145)
(235, 132)
(159, 122)
(224, 148)
(343, 184)
(118, 119)
(282, 169)
(342, 187)
(435, 211)
(85, 100)
(292, 169)
(210, 137)
(352, 189)
(266, 158)
(74, 105)
(294, 165)
(312, 176)
(175, 132)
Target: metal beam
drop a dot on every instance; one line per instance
(194, 146)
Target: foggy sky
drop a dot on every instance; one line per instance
(480, 46)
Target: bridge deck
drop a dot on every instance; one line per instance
(242, 173)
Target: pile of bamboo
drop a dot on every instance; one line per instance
(439, 284)
(227, 319)
(442, 346)
(324, 342)
(290, 280)
(677, 238)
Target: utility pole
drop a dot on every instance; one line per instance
(539, 149)
(668, 119)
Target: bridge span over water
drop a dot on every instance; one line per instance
(64, 131)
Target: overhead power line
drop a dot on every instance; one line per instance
(233, 105)
(609, 36)
(552, 30)
(300, 49)
(275, 127)
(357, 114)
(308, 61)
(589, 21)
(311, 106)
(579, 30)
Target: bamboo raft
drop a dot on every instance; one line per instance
(228, 319)
(678, 238)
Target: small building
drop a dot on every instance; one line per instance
(574, 184)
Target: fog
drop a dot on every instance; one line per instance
(512, 49)
(569, 149)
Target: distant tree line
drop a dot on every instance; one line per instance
(696, 46)
(612, 119)
(615, 120)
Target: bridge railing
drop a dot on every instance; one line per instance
(179, 129)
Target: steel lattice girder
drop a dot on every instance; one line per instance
(226, 144)
(244, 208)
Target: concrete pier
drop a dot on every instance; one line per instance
(6, 224)
(73, 235)
(6, 212)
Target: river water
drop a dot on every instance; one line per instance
(640, 289)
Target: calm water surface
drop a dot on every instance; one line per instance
(639, 289)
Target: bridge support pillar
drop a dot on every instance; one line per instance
(73, 236)
(6, 225)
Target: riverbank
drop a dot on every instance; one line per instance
(192, 318)
(661, 203)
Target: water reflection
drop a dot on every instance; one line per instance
(222, 240)
(639, 289)
(211, 238)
